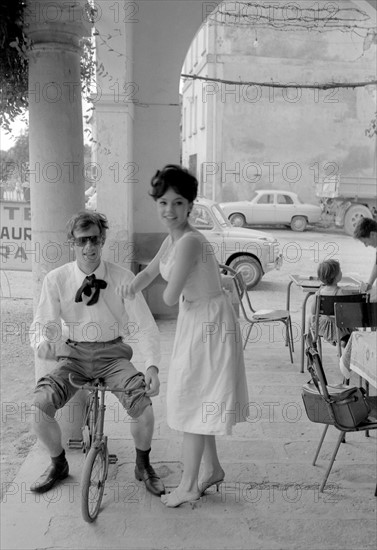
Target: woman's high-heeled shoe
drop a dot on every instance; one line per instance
(207, 484)
(174, 499)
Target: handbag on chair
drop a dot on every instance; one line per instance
(342, 406)
(346, 406)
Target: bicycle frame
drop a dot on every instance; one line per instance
(93, 426)
(94, 444)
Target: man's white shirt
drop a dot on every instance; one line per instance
(59, 317)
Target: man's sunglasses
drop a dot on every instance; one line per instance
(81, 241)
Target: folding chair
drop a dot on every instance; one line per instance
(262, 316)
(370, 423)
(325, 306)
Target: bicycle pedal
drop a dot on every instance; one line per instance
(113, 459)
(75, 443)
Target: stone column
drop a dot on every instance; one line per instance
(113, 102)
(56, 145)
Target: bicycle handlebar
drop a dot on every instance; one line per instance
(97, 387)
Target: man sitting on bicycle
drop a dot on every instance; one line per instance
(79, 301)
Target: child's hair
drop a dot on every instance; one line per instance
(177, 178)
(328, 271)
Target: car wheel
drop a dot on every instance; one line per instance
(298, 223)
(238, 220)
(250, 268)
(353, 215)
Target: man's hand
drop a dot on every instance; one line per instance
(46, 350)
(152, 381)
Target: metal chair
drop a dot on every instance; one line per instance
(356, 315)
(316, 370)
(325, 305)
(262, 316)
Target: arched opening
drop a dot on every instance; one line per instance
(241, 131)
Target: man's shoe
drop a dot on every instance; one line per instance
(54, 473)
(152, 481)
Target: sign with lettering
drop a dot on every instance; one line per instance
(15, 236)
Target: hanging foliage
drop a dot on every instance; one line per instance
(13, 61)
(14, 48)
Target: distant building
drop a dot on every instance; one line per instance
(238, 138)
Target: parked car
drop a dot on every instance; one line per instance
(252, 252)
(272, 207)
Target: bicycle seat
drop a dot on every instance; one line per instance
(79, 383)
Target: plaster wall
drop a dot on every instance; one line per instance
(274, 137)
(297, 136)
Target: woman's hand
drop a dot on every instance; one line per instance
(152, 381)
(364, 287)
(127, 291)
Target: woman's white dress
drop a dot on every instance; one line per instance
(207, 388)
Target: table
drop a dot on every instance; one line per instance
(310, 284)
(360, 356)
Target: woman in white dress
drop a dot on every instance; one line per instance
(207, 389)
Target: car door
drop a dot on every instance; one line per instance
(285, 208)
(263, 209)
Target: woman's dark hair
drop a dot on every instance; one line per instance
(328, 271)
(175, 177)
(83, 220)
(364, 227)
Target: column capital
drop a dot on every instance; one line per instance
(58, 22)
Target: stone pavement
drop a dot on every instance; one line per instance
(270, 498)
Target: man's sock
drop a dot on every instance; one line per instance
(59, 460)
(142, 458)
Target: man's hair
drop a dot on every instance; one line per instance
(328, 271)
(83, 220)
(364, 228)
(175, 177)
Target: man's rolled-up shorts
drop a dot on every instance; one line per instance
(89, 360)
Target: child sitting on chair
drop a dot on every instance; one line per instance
(329, 273)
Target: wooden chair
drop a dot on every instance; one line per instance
(316, 369)
(262, 316)
(325, 305)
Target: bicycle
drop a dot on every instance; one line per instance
(94, 445)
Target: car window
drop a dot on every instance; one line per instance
(265, 199)
(285, 199)
(200, 217)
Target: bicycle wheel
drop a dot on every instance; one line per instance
(93, 482)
